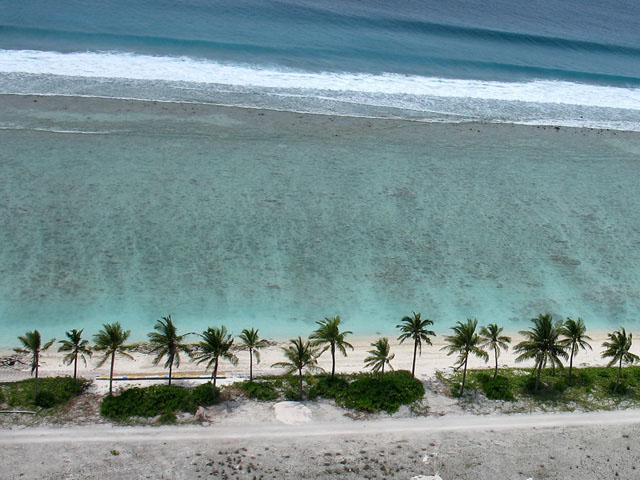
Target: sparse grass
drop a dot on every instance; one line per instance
(589, 388)
(52, 392)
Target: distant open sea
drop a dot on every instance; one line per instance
(296, 224)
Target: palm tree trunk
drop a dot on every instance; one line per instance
(464, 374)
(170, 369)
(251, 365)
(415, 351)
(113, 359)
(495, 353)
(383, 370)
(300, 384)
(215, 373)
(538, 375)
(333, 360)
(573, 346)
(35, 384)
(75, 366)
(615, 389)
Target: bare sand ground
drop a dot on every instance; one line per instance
(552, 446)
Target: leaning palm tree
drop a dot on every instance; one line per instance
(32, 343)
(77, 348)
(415, 328)
(617, 348)
(542, 344)
(216, 343)
(464, 341)
(252, 342)
(329, 333)
(111, 340)
(380, 356)
(301, 356)
(575, 335)
(165, 342)
(491, 338)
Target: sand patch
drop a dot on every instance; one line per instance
(292, 413)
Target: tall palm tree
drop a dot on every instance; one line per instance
(216, 343)
(617, 348)
(464, 341)
(329, 333)
(415, 328)
(166, 342)
(380, 356)
(77, 347)
(111, 340)
(575, 335)
(542, 344)
(32, 343)
(301, 356)
(491, 338)
(251, 341)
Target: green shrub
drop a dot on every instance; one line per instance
(372, 393)
(263, 391)
(205, 394)
(168, 418)
(1, 396)
(45, 399)
(498, 388)
(292, 395)
(327, 387)
(147, 402)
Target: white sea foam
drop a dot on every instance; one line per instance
(145, 67)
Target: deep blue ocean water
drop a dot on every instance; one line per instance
(566, 63)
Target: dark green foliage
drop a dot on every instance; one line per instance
(327, 387)
(156, 400)
(167, 418)
(1, 396)
(372, 393)
(292, 395)
(205, 395)
(498, 388)
(263, 391)
(58, 391)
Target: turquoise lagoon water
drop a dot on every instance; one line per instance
(275, 220)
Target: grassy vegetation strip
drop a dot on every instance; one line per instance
(589, 388)
(158, 400)
(52, 392)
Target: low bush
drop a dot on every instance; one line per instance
(372, 393)
(498, 388)
(52, 391)
(45, 399)
(156, 400)
(327, 387)
(263, 391)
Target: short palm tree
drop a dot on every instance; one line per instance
(252, 342)
(77, 348)
(216, 343)
(465, 341)
(415, 328)
(329, 333)
(542, 344)
(165, 342)
(111, 340)
(617, 348)
(491, 338)
(380, 356)
(32, 344)
(575, 335)
(301, 356)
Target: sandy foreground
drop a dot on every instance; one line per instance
(247, 439)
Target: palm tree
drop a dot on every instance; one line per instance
(617, 347)
(32, 344)
(575, 335)
(111, 339)
(415, 328)
(329, 333)
(166, 342)
(491, 338)
(302, 356)
(542, 344)
(380, 356)
(77, 347)
(251, 341)
(216, 343)
(464, 341)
